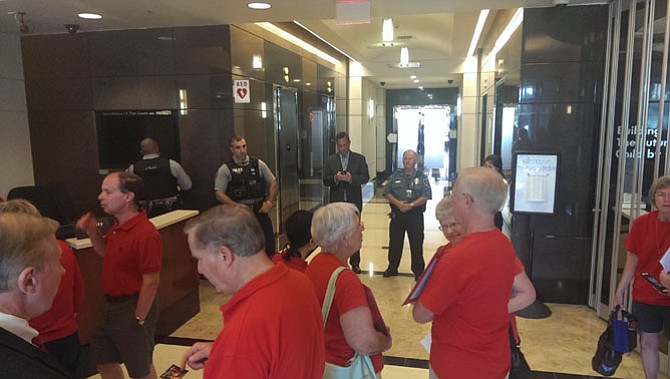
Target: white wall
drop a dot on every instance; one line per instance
(16, 163)
(362, 128)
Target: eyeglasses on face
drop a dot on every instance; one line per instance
(451, 226)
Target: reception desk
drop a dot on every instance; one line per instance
(178, 298)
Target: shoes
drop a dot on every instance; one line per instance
(356, 269)
(389, 273)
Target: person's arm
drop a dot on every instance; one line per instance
(361, 174)
(418, 202)
(523, 293)
(401, 205)
(183, 180)
(148, 291)
(360, 333)
(421, 314)
(221, 185)
(88, 224)
(626, 277)
(196, 355)
(271, 197)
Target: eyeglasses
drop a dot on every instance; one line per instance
(451, 226)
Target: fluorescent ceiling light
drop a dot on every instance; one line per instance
(483, 14)
(323, 40)
(296, 41)
(387, 30)
(259, 5)
(90, 16)
(416, 80)
(404, 56)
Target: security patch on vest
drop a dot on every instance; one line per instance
(426, 182)
(238, 170)
(397, 181)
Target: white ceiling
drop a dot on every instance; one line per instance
(437, 32)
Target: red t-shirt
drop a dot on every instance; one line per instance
(293, 262)
(131, 250)
(468, 294)
(59, 321)
(349, 294)
(649, 239)
(272, 329)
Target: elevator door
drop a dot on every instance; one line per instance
(286, 127)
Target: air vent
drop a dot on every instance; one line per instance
(403, 38)
(408, 65)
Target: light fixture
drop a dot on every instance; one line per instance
(514, 23)
(296, 41)
(257, 61)
(387, 30)
(404, 56)
(371, 109)
(90, 16)
(416, 80)
(264, 109)
(412, 77)
(483, 14)
(259, 5)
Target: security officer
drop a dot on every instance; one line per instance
(249, 181)
(407, 191)
(161, 177)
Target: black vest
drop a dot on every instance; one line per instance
(246, 182)
(159, 182)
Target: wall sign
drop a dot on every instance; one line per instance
(535, 179)
(241, 91)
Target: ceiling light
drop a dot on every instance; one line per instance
(404, 56)
(296, 41)
(416, 80)
(514, 23)
(483, 14)
(90, 16)
(387, 30)
(259, 5)
(413, 77)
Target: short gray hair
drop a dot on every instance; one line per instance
(233, 226)
(331, 222)
(444, 209)
(658, 184)
(487, 188)
(22, 244)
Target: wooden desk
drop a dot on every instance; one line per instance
(178, 298)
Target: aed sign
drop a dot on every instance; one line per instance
(241, 91)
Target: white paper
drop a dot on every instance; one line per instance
(427, 341)
(665, 261)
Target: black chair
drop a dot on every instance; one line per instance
(43, 201)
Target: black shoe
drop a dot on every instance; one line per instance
(389, 273)
(356, 269)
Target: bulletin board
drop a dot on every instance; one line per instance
(535, 183)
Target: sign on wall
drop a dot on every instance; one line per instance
(535, 179)
(241, 91)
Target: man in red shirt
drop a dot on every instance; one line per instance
(132, 252)
(468, 294)
(272, 324)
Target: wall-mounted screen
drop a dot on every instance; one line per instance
(535, 183)
(119, 134)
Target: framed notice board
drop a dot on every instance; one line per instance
(535, 183)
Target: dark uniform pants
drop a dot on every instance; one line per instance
(268, 231)
(412, 223)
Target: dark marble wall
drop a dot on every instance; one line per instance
(560, 99)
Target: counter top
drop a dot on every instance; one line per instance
(160, 222)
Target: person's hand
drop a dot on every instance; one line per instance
(87, 223)
(347, 177)
(618, 299)
(405, 207)
(196, 355)
(265, 208)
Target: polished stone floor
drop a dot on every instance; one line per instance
(560, 346)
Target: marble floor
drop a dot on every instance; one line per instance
(560, 346)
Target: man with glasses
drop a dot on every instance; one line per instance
(468, 295)
(407, 191)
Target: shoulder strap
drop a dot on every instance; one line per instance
(330, 294)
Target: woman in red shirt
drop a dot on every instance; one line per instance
(354, 324)
(300, 244)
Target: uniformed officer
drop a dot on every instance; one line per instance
(163, 179)
(407, 191)
(249, 181)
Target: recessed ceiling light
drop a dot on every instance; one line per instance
(259, 5)
(90, 16)
(412, 77)
(416, 80)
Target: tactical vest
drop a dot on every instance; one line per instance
(159, 183)
(246, 182)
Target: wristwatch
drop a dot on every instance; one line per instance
(139, 321)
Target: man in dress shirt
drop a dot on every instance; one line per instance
(31, 271)
(345, 172)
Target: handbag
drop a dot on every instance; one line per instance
(606, 359)
(359, 366)
(625, 330)
(519, 368)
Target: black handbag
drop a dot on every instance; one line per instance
(606, 359)
(519, 368)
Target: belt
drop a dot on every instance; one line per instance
(121, 299)
(164, 201)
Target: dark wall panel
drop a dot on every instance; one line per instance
(206, 91)
(60, 93)
(202, 50)
(56, 56)
(560, 96)
(134, 92)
